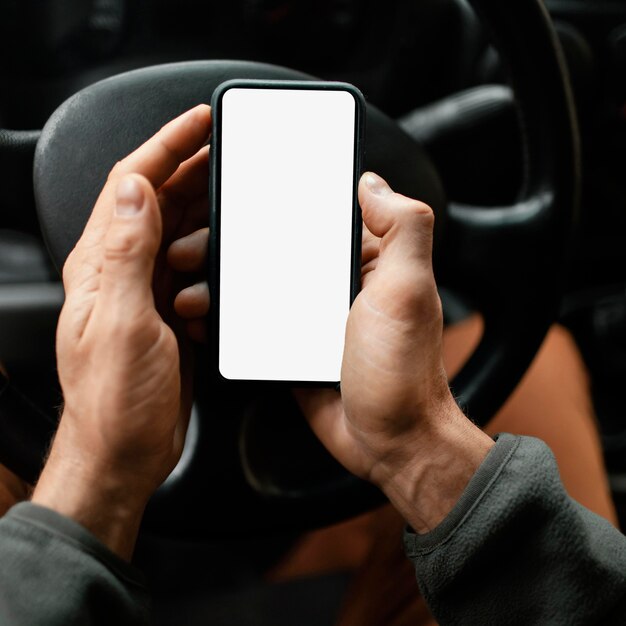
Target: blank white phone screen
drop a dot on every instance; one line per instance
(287, 170)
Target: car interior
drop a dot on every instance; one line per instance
(508, 118)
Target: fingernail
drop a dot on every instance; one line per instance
(376, 184)
(129, 197)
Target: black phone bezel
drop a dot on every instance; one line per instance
(215, 208)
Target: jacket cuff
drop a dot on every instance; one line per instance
(479, 485)
(72, 533)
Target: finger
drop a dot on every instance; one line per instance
(323, 411)
(180, 194)
(159, 157)
(196, 329)
(404, 225)
(193, 302)
(130, 246)
(180, 222)
(369, 247)
(188, 254)
(188, 182)
(195, 217)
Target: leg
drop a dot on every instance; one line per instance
(553, 403)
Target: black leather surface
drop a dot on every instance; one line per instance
(104, 122)
(23, 259)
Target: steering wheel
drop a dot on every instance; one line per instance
(249, 452)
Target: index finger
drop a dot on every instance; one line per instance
(157, 159)
(370, 245)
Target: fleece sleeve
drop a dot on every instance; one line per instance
(54, 572)
(517, 550)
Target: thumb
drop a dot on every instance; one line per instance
(131, 244)
(405, 225)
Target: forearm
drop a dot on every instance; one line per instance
(93, 493)
(517, 549)
(443, 455)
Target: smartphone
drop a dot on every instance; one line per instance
(285, 238)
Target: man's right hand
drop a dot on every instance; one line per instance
(397, 423)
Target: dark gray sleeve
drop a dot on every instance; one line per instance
(517, 550)
(54, 572)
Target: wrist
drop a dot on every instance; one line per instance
(85, 490)
(438, 462)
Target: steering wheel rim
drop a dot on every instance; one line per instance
(543, 214)
(547, 206)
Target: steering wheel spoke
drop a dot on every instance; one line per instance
(480, 251)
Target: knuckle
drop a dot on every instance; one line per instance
(66, 272)
(417, 214)
(170, 150)
(419, 209)
(132, 331)
(68, 269)
(122, 245)
(134, 327)
(117, 171)
(423, 300)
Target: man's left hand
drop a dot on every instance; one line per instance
(121, 344)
